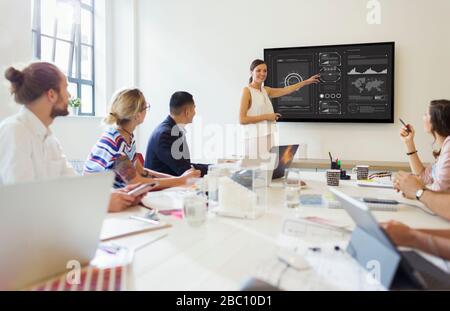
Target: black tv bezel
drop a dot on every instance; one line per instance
(373, 121)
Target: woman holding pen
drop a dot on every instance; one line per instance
(436, 121)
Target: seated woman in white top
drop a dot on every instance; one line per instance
(436, 121)
(256, 111)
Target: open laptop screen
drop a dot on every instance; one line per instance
(285, 156)
(363, 218)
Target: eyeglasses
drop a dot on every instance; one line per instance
(147, 107)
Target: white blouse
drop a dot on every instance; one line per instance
(260, 104)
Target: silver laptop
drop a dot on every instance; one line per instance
(45, 225)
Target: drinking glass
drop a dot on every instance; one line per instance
(292, 185)
(195, 209)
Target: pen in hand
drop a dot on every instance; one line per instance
(406, 125)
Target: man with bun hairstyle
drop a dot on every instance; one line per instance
(30, 151)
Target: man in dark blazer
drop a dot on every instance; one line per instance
(167, 149)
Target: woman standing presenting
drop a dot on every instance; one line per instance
(256, 111)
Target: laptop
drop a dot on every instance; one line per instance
(280, 159)
(414, 271)
(285, 158)
(46, 226)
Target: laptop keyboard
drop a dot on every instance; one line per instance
(382, 207)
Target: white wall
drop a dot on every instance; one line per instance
(114, 33)
(205, 47)
(15, 45)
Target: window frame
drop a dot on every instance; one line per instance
(76, 46)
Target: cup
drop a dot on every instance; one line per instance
(195, 209)
(362, 172)
(292, 186)
(213, 186)
(195, 183)
(333, 177)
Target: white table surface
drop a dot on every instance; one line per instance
(223, 252)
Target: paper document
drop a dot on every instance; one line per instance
(377, 183)
(165, 200)
(114, 228)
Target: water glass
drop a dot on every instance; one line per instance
(213, 186)
(195, 209)
(292, 185)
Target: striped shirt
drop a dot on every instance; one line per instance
(108, 148)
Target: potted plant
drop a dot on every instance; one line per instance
(75, 105)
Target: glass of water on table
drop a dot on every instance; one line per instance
(292, 186)
(195, 209)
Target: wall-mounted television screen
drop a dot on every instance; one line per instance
(356, 82)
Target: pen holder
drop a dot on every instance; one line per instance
(344, 175)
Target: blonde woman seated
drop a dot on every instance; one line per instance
(116, 148)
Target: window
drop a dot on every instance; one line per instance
(63, 33)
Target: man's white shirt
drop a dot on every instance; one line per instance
(29, 151)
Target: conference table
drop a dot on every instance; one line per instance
(223, 252)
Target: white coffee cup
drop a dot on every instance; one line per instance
(333, 177)
(361, 171)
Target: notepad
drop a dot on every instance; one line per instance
(114, 228)
(311, 199)
(377, 183)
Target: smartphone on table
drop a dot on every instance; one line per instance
(124, 168)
